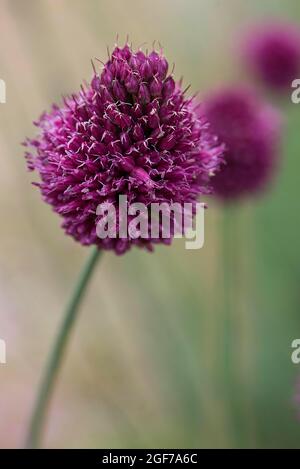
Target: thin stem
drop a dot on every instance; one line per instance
(55, 359)
(230, 307)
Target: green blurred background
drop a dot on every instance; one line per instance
(145, 367)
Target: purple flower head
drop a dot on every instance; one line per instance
(250, 130)
(130, 132)
(272, 53)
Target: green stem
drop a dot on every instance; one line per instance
(230, 351)
(55, 359)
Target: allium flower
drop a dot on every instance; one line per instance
(250, 130)
(131, 131)
(272, 52)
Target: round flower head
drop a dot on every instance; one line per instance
(272, 52)
(130, 132)
(250, 131)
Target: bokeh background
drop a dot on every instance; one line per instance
(145, 365)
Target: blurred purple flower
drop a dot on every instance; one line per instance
(131, 132)
(272, 52)
(250, 130)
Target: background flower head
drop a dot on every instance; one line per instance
(250, 130)
(131, 131)
(271, 51)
